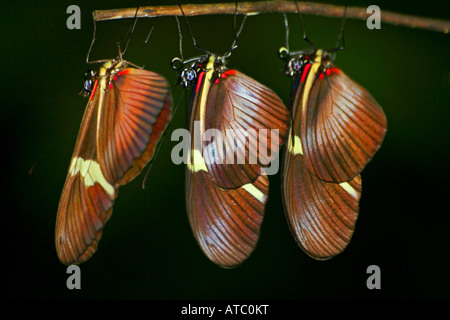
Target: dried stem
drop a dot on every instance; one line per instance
(254, 8)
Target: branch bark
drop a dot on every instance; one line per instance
(254, 8)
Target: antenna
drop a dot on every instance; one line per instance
(236, 34)
(121, 53)
(181, 38)
(286, 25)
(190, 31)
(303, 27)
(146, 43)
(129, 32)
(92, 42)
(341, 34)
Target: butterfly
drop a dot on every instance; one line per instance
(337, 127)
(128, 110)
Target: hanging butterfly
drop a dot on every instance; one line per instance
(226, 197)
(128, 110)
(337, 127)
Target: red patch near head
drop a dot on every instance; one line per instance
(330, 71)
(124, 71)
(228, 73)
(335, 70)
(93, 90)
(305, 72)
(199, 81)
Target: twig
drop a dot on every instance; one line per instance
(254, 8)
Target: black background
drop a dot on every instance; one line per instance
(148, 251)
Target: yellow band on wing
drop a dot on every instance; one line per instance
(91, 172)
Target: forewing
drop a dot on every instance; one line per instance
(342, 127)
(136, 113)
(253, 123)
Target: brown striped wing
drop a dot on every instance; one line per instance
(89, 191)
(245, 112)
(321, 215)
(83, 209)
(342, 127)
(225, 222)
(140, 111)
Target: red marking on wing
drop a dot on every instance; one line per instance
(94, 90)
(335, 70)
(123, 72)
(305, 72)
(199, 81)
(228, 73)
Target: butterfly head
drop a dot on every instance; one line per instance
(88, 85)
(296, 61)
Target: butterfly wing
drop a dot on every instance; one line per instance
(321, 215)
(136, 114)
(253, 123)
(225, 222)
(342, 127)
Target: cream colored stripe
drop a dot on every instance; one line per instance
(310, 78)
(205, 90)
(197, 162)
(296, 146)
(349, 189)
(92, 173)
(255, 192)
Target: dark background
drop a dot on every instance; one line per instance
(148, 251)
